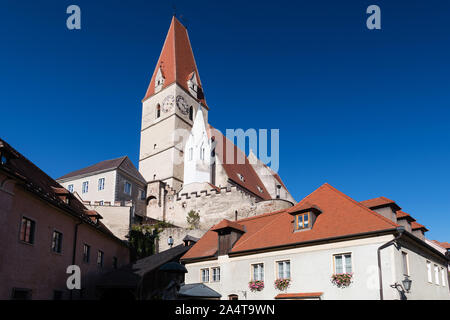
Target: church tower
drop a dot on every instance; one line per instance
(173, 98)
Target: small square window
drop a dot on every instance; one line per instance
(303, 221)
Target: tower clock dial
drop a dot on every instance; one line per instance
(168, 103)
(182, 105)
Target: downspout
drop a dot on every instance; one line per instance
(400, 231)
(75, 238)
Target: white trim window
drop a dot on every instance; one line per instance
(101, 184)
(443, 276)
(284, 269)
(204, 275)
(258, 272)
(430, 276)
(343, 263)
(436, 274)
(70, 188)
(127, 188)
(405, 265)
(85, 188)
(215, 274)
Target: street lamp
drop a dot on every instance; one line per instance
(403, 288)
(407, 284)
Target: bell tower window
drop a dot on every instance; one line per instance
(159, 80)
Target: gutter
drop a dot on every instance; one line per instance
(400, 231)
(75, 238)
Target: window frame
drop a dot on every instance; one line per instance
(101, 257)
(429, 272)
(303, 221)
(277, 269)
(405, 263)
(85, 187)
(201, 275)
(86, 255)
(443, 274)
(344, 264)
(214, 277)
(126, 182)
(32, 235)
(436, 274)
(59, 244)
(70, 188)
(252, 271)
(101, 184)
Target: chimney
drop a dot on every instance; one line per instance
(228, 233)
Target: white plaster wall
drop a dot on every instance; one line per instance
(116, 218)
(311, 270)
(93, 194)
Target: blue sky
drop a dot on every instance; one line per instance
(366, 111)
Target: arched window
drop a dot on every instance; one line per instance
(191, 113)
(158, 111)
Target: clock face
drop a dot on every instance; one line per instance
(182, 105)
(168, 103)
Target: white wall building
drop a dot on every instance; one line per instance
(326, 233)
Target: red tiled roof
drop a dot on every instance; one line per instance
(238, 165)
(228, 224)
(444, 245)
(418, 226)
(341, 216)
(301, 295)
(379, 202)
(176, 60)
(403, 215)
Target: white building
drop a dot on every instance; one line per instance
(325, 234)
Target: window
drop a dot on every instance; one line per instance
(191, 113)
(100, 258)
(436, 274)
(205, 275)
(430, 278)
(86, 253)
(343, 263)
(241, 177)
(27, 230)
(127, 188)
(21, 294)
(85, 187)
(216, 274)
(57, 295)
(284, 269)
(303, 221)
(70, 187)
(158, 111)
(233, 297)
(101, 184)
(115, 262)
(258, 271)
(443, 276)
(141, 194)
(57, 242)
(405, 263)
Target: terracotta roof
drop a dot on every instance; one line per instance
(302, 295)
(444, 245)
(380, 202)
(39, 183)
(403, 215)
(418, 226)
(341, 216)
(124, 163)
(224, 224)
(176, 60)
(237, 166)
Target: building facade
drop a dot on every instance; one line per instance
(44, 230)
(325, 236)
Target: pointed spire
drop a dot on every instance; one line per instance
(176, 61)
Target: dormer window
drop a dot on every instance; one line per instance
(259, 189)
(241, 177)
(159, 80)
(303, 221)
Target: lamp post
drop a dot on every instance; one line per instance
(402, 289)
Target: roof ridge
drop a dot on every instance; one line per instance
(376, 214)
(262, 215)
